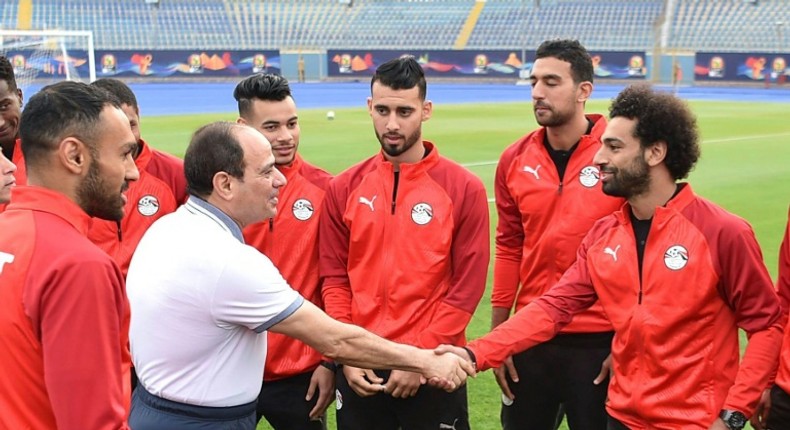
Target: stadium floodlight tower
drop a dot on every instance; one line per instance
(49, 44)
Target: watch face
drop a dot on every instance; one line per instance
(735, 420)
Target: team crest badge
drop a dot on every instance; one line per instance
(589, 176)
(303, 210)
(422, 213)
(148, 205)
(676, 257)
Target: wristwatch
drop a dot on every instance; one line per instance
(733, 419)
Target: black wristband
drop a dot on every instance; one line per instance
(471, 356)
(329, 365)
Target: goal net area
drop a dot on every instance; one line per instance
(42, 57)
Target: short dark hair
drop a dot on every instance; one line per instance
(7, 73)
(572, 52)
(214, 148)
(119, 89)
(263, 86)
(59, 111)
(661, 117)
(402, 73)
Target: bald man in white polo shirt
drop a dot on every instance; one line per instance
(200, 298)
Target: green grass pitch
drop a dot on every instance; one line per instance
(744, 168)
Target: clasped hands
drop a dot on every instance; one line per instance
(446, 368)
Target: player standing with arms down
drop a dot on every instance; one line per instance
(548, 196)
(404, 253)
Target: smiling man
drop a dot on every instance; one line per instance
(202, 299)
(64, 315)
(676, 275)
(10, 111)
(298, 385)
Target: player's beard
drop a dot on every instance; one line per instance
(630, 181)
(97, 199)
(408, 142)
(555, 119)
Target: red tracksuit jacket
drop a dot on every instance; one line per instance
(290, 240)
(64, 320)
(21, 170)
(543, 219)
(408, 264)
(160, 190)
(783, 287)
(675, 350)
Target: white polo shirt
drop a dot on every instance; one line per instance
(201, 300)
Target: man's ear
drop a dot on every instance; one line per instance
(656, 153)
(241, 120)
(427, 110)
(223, 185)
(585, 90)
(74, 155)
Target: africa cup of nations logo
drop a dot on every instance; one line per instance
(303, 209)
(778, 67)
(259, 63)
(108, 63)
(19, 64)
(195, 64)
(676, 257)
(481, 64)
(716, 69)
(345, 63)
(422, 213)
(636, 66)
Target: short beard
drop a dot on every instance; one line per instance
(629, 183)
(94, 198)
(398, 150)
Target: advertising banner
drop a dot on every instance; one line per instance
(478, 63)
(186, 64)
(750, 67)
(145, 63)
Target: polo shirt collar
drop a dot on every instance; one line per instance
(198, 205)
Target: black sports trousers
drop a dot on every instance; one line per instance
(559, 372)
(779, 417)
(430, 409)
(282, 404)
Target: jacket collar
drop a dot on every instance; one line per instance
(412, 170)
(676, 204)
(42, 199)
(290, 170)
(144, 156)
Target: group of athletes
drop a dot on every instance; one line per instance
(243, 282)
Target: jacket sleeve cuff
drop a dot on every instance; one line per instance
(528, 327)
(506, 280)
(337, 302)
(757, 366)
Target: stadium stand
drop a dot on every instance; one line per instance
(722, 25)
(730, 25)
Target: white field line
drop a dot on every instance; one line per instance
(722, 140)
